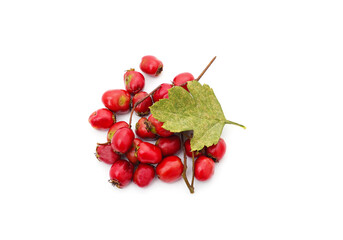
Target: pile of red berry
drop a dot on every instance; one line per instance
(145, 160)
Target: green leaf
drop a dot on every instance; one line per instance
(197, 110)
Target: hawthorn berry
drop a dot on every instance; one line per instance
(117, 100)
(151, 65)
(131, 155)
(169, 169)
(121, 173)
(114, 128)
(142, 108)
(143, 129)
(182, 78)
(105, 153)
(161, 92)
(203, 168)
(122, 140)
(157, 127)
(143, 175)
(169, 145)
(187, 145)
(102, 119)
(149, 153)
(217, 151)
(134, 81)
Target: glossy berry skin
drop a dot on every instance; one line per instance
(105, 153)
(170, 169)
(131, 155)
(143, 129)
(217, 151)
(122, 140)
(188, 149)
(156, 127)
(142, 108)
(161, 92)
(182, 78)
(149, 153)
(102, 119)
(169, 145)
(117, 100)
(143, 175)
(203, 168)
(134, 81)
(121, 173)
(151, 65)
(114, 128)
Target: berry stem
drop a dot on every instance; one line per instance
(133, 108)
(203, 72)
(184, 175)
(237, 124)
(192, 183)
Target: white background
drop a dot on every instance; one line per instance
(278, 71)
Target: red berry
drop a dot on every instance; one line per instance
(132, 153)
(203, 168)
(105, 153)
(122, 140)
(134, 81)
(142, 108)
(151, 65)
(161, 92)
(115, 127)
(149, 153)
(143, 175)
(121, 173)
(170, 169)
(117, 100)
(217, 151)
(102, 119)
(156, 127)
(182, 78)
(169, 145)
(143, 129)
(188, 149)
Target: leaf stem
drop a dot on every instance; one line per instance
(184, 175)
(134, 107)
(234, 123)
